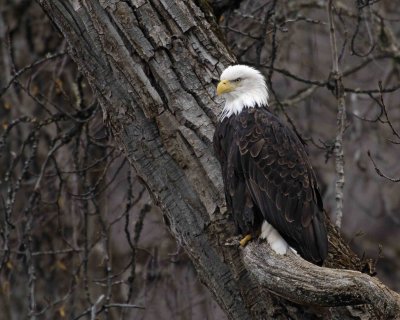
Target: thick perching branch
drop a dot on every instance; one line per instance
(306, 284)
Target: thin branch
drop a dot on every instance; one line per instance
(379, 172)
(20, 72)
(340, 120)
(123, 305)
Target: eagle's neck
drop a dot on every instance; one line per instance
(237, 100)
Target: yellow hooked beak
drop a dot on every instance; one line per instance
(224, 86)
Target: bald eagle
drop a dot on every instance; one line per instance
(270, 186)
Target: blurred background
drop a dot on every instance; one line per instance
(77, 227)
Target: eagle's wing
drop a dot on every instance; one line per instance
(238, 199)
(281, 182)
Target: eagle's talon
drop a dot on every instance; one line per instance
(245, 240)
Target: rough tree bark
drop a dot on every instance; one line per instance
(152, 64)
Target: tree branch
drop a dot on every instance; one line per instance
(306, 284)
(341, 118)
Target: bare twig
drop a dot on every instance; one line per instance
(93, 310)
(49, 57)
(379, 172)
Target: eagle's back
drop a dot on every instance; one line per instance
(267, 175)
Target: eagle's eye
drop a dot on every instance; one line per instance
(237, 80)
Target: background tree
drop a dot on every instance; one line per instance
(74, 212)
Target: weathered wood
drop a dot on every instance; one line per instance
(151, 65)
(307, 284)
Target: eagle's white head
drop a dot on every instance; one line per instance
(242, 87)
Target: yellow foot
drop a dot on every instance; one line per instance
(246, 239)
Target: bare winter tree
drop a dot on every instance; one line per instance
(152, 66)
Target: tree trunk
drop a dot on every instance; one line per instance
(152, 66)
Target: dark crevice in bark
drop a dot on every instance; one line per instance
(163, 17)
(147, 70)
(222, 6)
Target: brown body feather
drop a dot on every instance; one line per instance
(268, 176)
